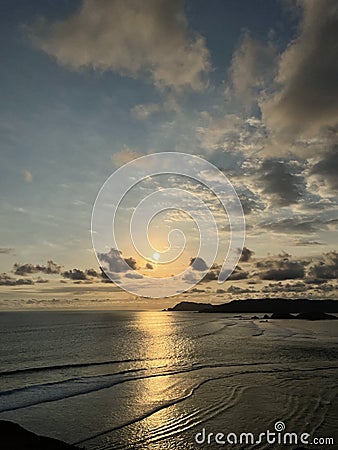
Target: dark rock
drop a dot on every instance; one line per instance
(15, 437)
(254, 317)
(282, 315)
(315, 316)
(266, 316)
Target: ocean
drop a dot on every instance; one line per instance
(169, 380)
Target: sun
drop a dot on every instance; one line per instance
(156, 256)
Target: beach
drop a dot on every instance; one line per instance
(153, 380)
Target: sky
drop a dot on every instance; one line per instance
(86, 86)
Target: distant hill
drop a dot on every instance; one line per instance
(262, 305)
(190, 306)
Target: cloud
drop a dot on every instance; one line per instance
(113, 261)
(246, 254)
(308, 72)
(75, 274)
(239, 290)
(306, 242)
(332, 224)
(23, 269)
(301, 224)
(280, 268)
(131, 263)
(24, 281)
(326, 268)
(280, 182)
(324, 172)
(219, 132)
(92, 273)
(51, 268)
(249, 202)
(125, 156)
(131, 38)
(299, 286)
(198, 264)
(212, 275)
(7, 280)
(238, 274)
(40, 280)
(133, 275)
(143, 111)
(27, 176)
(251, 68)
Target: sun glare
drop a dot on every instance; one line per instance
(156, 256)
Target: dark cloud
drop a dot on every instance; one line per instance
(280, 182)
(75, 274)
(238, 274)
(104, 276)
(23, 281)
(308, 73)
(246, 254)
(7, 280)
(239, 290)
(114, 262)
(325, 171)
(326, 268)
(307, 242)
(50, 268)
(212, 275)
(299, 286)
(280, 268)
(197, 290)
(250, 203)
(301, 224)
(296, 224)
(133, 275)
(131, 263)
(92, 273)
(198, 264)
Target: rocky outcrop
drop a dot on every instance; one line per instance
(15, 437)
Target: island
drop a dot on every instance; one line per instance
(280, 308)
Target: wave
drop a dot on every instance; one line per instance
(200, 415)
(27, 396)
(176, 426)
(75, 365)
